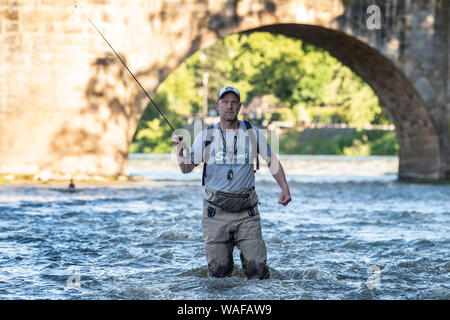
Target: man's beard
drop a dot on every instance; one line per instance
(230, 116)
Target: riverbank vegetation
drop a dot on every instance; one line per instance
(282, 81)
(357, 143)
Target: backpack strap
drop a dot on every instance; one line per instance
(206, 154)
(253, 140)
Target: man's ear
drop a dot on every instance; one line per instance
(217, 105)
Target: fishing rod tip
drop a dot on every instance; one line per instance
(77, 10)
(73, 8)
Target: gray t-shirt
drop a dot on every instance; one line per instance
(223, 157)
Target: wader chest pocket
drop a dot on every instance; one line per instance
(211, 212)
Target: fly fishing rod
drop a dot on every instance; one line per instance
(125, 65)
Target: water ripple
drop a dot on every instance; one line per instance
(144, 241)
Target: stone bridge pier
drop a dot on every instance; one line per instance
(68, 107)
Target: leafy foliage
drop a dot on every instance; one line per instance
(302, 81)
(361, 143)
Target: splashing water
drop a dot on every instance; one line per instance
(343, 237)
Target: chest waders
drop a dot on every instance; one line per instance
(237, 200)
(253, 141)
(222, 230)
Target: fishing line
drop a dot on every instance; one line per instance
(75, 6)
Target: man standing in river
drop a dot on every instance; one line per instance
(230, 207)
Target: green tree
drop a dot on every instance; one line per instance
(153, 134)
(291, 72)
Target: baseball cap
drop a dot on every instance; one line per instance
(228, 89)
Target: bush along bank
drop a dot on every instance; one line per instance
(349, 142)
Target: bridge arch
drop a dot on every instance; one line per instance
(419, 144)
(415, 130)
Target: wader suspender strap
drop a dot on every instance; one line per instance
(209, 131)
(253, 141)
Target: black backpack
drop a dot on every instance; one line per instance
(253, 140)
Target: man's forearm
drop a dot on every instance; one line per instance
(276, 169)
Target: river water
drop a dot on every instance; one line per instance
(352, 231)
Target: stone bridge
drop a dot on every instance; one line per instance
(68, 106)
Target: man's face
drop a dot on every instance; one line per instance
(228, 106)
